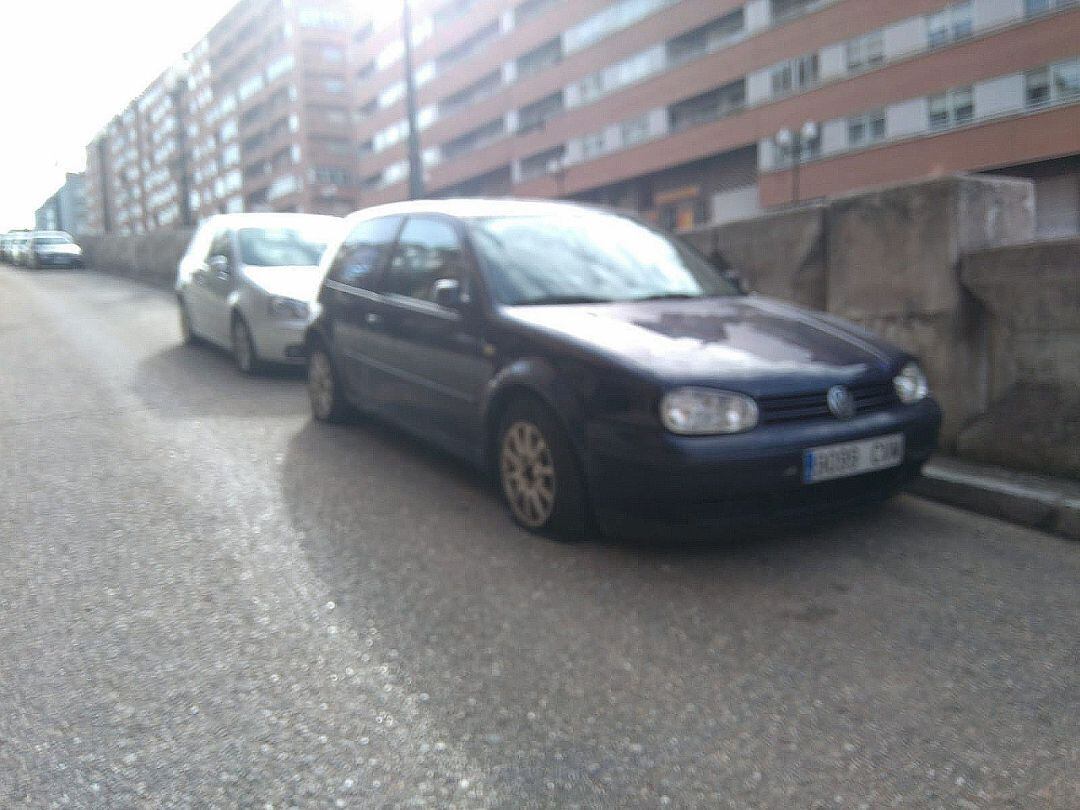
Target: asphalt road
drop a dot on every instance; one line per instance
(208, 600)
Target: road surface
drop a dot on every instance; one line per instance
(208, 600)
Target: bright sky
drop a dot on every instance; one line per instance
(68, 66)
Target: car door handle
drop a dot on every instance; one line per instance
(373, 319)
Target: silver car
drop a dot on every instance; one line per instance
(248, 282)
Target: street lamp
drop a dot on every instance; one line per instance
(793, 143)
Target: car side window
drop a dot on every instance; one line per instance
(364, 251)
(428, 251)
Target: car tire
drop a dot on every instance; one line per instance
(243, 345)
(325, 392)
(187, 332)
(538, 472)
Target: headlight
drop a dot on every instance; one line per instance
(705, 411)
(911, 384)
(281, 307)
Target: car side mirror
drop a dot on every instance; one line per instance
(449, 293)
(219, 265)
(738, 281)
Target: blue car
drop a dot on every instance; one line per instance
(605, 373)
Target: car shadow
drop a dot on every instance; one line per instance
(366, 494)
(201, 379)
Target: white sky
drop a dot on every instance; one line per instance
(68, 66)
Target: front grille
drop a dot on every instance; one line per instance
(792, 408)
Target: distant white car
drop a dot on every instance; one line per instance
(249, 282)
(52, 249)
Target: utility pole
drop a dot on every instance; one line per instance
(416, 163)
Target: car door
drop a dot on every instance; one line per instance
(427, 358)
(349, 299)
(219, 275)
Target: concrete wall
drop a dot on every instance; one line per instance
(150, 257)
(1030, 295)
(890, 260)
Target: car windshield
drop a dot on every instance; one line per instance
(589, 257)
(51, 240)
(283, 247)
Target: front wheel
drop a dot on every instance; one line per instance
(539, 474)
(244, 347)
(328, 402)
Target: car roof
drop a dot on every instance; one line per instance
(64, 234)
(477, 207)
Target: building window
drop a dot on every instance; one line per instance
(614, 18)
(548, 54)
(332, 54)
(280, 66)
(474, 139)
(523, 12)
(1033, 8)
(391, 95)
(866, 128)
(705, 39)
(708, 106)
(475, 92)
(795, 75)
(951, 24)
(592, 145)
(467, 47)
(548, 161)
(635, 131)
(535, 115)
(366, 72)
(951, 109)
(1055, 84)
(454, 10)
(786, 9)
(334, 87)
(866, 52)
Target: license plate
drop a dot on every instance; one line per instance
(852, 458)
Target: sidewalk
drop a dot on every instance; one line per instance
(1038, 501)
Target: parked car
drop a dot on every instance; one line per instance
(52, 249)
(5, 245)
(20, 249)
(248, 282)
(605, 371)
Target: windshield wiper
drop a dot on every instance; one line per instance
(668, 297)
(565, 299)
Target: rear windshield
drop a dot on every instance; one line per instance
(299, 245)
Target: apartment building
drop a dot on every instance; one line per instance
(693, 111)
(689, 111)
(255, 117)
(65, 210)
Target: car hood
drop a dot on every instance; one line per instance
(300, 283)
(744, 339)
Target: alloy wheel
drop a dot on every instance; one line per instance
(528, 474)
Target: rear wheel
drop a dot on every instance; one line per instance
(327, 397)
(187, 333)
(247, 360)
(538, 472)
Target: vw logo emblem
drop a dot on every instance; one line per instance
(840, 402)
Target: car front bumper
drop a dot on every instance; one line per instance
(280, 341)
(644, 480)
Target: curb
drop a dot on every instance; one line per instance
(1034, 501)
